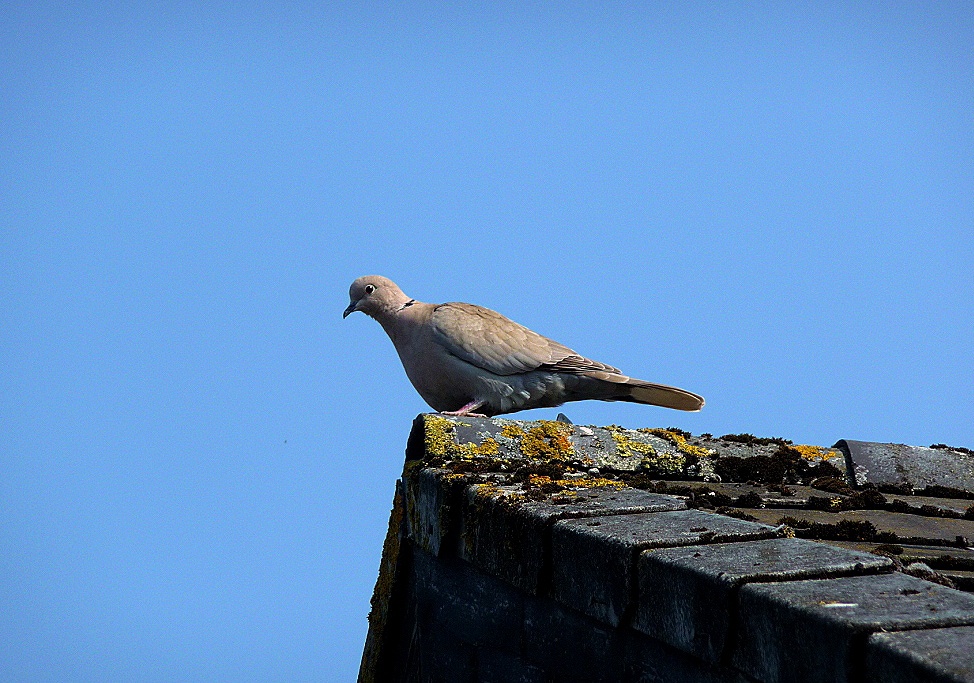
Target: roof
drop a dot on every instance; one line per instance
(782, 561)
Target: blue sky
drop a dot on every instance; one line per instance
(770, 204)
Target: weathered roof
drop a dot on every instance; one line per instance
(745, 554)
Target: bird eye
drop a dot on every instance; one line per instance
(369, 289)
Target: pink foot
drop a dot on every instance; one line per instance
(465, 411)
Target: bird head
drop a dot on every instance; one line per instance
(375, 296)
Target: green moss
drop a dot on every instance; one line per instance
(752, 440)
(382, 593)
(412, 467)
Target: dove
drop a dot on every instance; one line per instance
(465, 359)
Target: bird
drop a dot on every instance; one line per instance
(467, 360)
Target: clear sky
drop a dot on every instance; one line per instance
(770, 204)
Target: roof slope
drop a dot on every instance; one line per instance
(651, 548)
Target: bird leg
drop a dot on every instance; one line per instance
(465, 411)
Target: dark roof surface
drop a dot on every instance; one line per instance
(755, 540)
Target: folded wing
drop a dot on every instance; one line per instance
(490, 341)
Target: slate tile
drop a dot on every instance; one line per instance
(940, 655)
(508, 536)
(805, 630)
(687, 596)
(915, 529)
(570, 646)
(459, 602)
(593, 560)
(648, 660)
(502, 666)
(914, 466)
(432, 500)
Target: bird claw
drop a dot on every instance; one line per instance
(460, 413)
(465, 411)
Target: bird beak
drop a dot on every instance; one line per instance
(351, 309)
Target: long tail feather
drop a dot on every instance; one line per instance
(662, 395)
(618, 387)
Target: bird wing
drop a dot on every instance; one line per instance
(579, 365)
(490, 341)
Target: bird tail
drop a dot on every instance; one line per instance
(638, 391)
(662, 395)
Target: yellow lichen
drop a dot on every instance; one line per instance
(679, 441)
(438, 434)
(439, 440)
(467, 451)
(511, 499)
(512, 431)
(598, 482)
(488, 447)
(486, 490)
(816, 452)
(548, 440)
(626, 446)
(574, 485)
